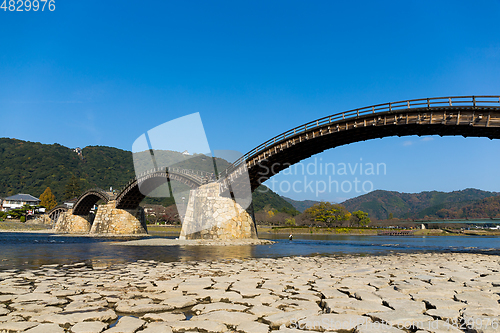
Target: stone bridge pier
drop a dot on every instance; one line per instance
(212, 216)
(112, 220)
(107, 220)
(67, 223)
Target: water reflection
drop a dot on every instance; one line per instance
(24, 250)
(188, 253)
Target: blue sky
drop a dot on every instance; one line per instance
(103, 73)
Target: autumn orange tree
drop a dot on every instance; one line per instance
(48, 200)
(328, 212)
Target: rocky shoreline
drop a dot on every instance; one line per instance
(423, 292)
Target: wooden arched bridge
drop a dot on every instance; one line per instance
(475, 116)
(132, 194)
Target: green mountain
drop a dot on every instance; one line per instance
(380, 204)
(485, 208)
(31, 167)
(264, 199)
(302, 205)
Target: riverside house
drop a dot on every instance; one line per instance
(18, 201)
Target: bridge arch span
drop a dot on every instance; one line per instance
(55, 212)
(475, 116)
(132, 195)
(87, 200)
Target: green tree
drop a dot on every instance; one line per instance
(72, 188)
(48, 200)
(20, 213)
(391, 216)
(328, 213)
(289, 211)
(360, 218)
(290, 222)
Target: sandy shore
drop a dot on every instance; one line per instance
(32, 231)
(51, 231)
(394, 293)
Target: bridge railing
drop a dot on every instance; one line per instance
(58, 207)
(373, 109)
(201, 175)
(93, 189)
(176, 170)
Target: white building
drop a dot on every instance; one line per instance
(70, 203)
(18, 201)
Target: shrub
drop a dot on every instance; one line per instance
(290, 222)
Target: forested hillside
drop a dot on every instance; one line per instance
(486, 208)
(386, 204)
(31, 167)
(301, 205)
(264, 199)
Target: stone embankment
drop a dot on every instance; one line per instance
(394, 293)
(212, 216)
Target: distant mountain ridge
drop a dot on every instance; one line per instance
(486, 208)
(301, 205)
(381, 204)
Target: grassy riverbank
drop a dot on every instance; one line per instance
(370, 231)
(174, 231)
(171, 230)
(316, 230)
(13, 226)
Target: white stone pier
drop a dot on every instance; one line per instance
(211, 216)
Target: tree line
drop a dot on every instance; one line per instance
(320, 214)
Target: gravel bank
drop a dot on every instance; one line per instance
(175, 242)
(394, 293)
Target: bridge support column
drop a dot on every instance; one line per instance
(67, 223)
(210, 216)
(111, 220)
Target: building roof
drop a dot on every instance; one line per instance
(22, 197)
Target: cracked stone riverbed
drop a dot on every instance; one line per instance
(406, 292)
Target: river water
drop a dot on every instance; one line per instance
(30, 250)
